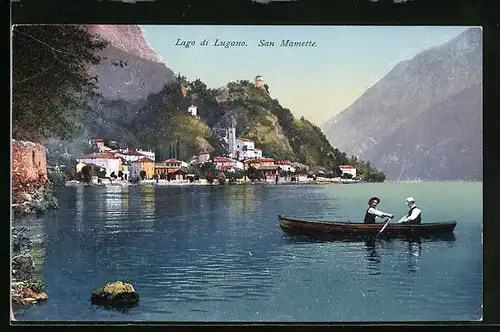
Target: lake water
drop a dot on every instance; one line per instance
(203, 254)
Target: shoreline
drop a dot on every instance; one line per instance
(124, 183)
(181, 184)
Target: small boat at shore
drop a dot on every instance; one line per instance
(333, 228)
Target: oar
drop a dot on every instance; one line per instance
(386, 223)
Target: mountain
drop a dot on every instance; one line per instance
(411, 151)
(131, 69)
(410, 100)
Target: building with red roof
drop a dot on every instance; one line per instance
(100, 144)
(348, 169)
(142, 164)
(203, 157)
(129, 155)
(224, 163)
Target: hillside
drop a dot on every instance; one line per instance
(161, 123)
(371, 126)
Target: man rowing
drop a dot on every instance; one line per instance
(414, 213)
(372, 212)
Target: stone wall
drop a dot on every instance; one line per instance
(29, 164)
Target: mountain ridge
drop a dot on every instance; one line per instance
(407, 91)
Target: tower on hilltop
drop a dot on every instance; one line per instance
(259, 82)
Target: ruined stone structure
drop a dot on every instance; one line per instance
(29, 165)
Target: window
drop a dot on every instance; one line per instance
(33, 157)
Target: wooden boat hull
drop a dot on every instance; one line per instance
(307, 227)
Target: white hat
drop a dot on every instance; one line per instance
(410, 199)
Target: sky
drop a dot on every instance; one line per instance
(314, 82)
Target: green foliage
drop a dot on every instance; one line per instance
(57, 178)
(50, 79)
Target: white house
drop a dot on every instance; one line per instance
(192, 110)
(130, 155)
(148, 153)
(285, 166)
(245, 149)
(110, 162)
(348, 169)
(203, 157)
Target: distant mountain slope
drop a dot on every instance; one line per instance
(411, 89)
(143, 70)
(455, 124)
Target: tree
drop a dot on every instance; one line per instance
(101, 173)
(209, 176)
(87, 173)
(253, 173)
(142, 174)
(222, 178)
(50, 81)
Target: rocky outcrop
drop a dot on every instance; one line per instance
(22, 267)
(115, 294)
(27, 293)
(31, 199)
(25, 289)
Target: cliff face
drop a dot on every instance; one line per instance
(410, 99)
(131, 69)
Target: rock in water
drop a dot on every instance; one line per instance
(115, 294)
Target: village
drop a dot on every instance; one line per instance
(245, 163)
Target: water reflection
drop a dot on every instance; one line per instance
(147, 199)
(414, 253)
(372, 256)
(79, 202)
(243, 200)
(125, 199)
(448, 238)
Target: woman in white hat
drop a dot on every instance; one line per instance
(414, 213)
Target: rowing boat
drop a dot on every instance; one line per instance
(309, 227)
